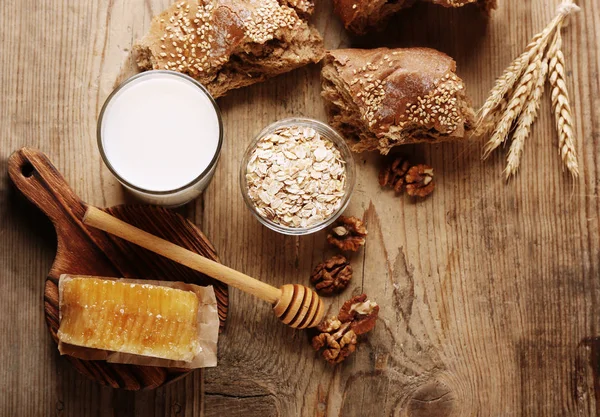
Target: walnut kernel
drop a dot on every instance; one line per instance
(339, 342)
(360, 312)
(392, 175)
(332, 276)
(348, 233)
(339, 335)
(419, 181)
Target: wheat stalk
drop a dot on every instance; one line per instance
(502, 87)
(515, 98)
(526, 120)
(562, 108)
(515, 106)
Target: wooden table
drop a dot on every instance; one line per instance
(489, 292)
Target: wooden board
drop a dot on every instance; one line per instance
(490, 292)
(83, 250)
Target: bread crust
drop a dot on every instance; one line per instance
(227, 44)
(361, 16)
(380, 98)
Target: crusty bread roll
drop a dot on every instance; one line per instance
(360, 16)
(380, 98)
(227, 44)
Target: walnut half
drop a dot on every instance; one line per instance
(398, 174)
(338, 344)
(392, 174)
(332, 276)
(361, 312)
(348, 233)
(339, 334)
(419, 181)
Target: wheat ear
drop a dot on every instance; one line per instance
(562, 108)
(526, 120)
(514, 108)
(488, 113)
(502, 86)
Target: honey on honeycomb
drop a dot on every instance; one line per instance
(118, 316)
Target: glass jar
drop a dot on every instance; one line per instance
(326, 132)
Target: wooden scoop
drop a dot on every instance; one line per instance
(295, 305)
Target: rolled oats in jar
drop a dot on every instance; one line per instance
(296, 177)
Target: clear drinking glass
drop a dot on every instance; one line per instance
(325, 131)
(186, 192)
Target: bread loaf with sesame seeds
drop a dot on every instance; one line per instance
(227, 44)
(380, 98)
(360, 16)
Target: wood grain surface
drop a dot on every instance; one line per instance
(489, 292)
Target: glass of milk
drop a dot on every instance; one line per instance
(160, 133)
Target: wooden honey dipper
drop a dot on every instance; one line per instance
(295, 305)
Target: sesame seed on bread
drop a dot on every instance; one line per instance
(227, 44)
(303, 7)
(361, 16)
(380, 98)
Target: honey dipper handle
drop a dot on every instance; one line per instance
(99, 219)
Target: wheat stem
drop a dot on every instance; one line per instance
(562, 107)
